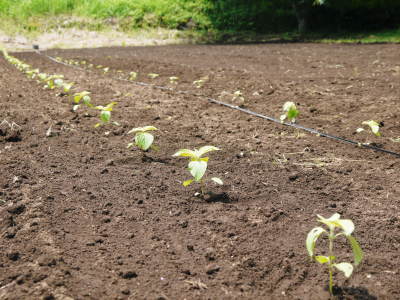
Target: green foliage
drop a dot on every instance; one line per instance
(105, 114)
(290, 112)
(143, 139)
(198, 165)
(82, 97)
(373, 125)
(346, 228)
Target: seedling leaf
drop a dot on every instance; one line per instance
(217, 180)
(312, 237)
(187, 182)
(203, 150)
(357, 252)
(346, 268)
(144, 140)
(322, 259)
(185, 153)
(105, 116)
(197, 169)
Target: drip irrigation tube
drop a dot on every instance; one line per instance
(247, 111)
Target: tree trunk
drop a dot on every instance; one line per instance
(302, 9)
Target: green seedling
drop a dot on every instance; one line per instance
(133, 76)
(67, 87)
(32, 73)
(173, 80)
(198, 165)
(53, 81)
(84, 97)
(143, 139)
(105, 70)
(290, 112)
(238, 98)
(373, 125)
(153, 75)
(346, 228)
(199, 83)
(105, 114)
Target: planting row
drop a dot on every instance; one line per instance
(198, 163)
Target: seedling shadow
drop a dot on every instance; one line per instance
(223, 197)
(357, 293)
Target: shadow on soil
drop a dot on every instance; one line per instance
(356, 293)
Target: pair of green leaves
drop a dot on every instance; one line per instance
(373, 125)
(143, 139)
(290, 112)
(347, 227)
(197, 164)
(105, 114)
(84, 97)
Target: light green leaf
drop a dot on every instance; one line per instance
(187, 182)
(334, 221)
(322, 259)
(197, 169)
(346, 268)
(86, 101)
(97, 125)
(105, 116)
(312, 237)
(282, 118)
(185, 153)
(203, 150)
(130, 145)
(359, 130)
(374, 126)
(357, 252)
(144, 140)
(217, 180)
(142, 129)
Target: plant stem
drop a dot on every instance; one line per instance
(330, 264)
(202, 188)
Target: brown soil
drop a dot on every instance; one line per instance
(82, 217)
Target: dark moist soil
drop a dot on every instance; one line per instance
(82, 217)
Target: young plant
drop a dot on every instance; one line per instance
(143, 139)
(105, 70)
(238, 98)
(198, 165)
(290, 112)
(84, 97)
(153, 75)
(105, 114)
(373, 125)
(346, 228)
(199, 83)
(133, 76)
(173, 80)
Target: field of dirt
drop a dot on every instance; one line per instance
(83, 217)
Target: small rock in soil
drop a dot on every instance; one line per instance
(16, 209)
(14, 256)
(128, 274)
(212, 269)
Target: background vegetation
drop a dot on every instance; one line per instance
(259, 16)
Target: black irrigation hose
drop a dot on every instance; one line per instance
(211, 100)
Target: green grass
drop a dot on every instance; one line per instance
(31, 17)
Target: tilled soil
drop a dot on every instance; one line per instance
(83, 217)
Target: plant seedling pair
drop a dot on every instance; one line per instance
(346, 228)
